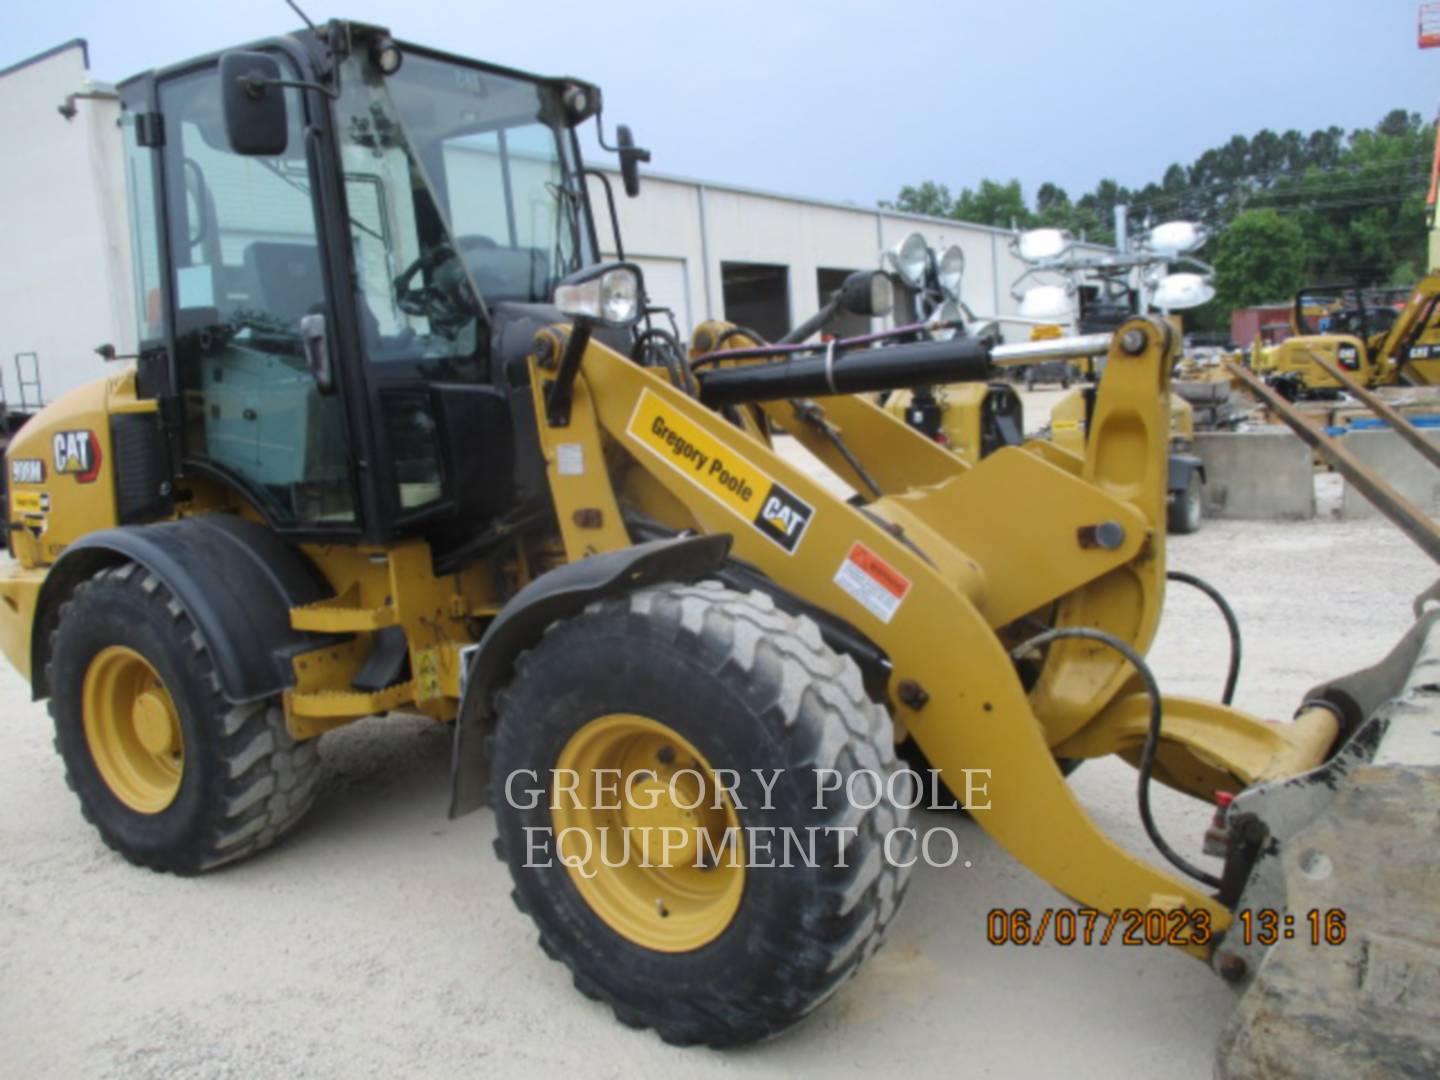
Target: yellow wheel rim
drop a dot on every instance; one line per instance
(133, 730)
(650, 840)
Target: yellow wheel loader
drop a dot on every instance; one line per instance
(1185, 483)
(395, 439)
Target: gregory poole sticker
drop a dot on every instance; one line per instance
(720, 472)
(872, 582)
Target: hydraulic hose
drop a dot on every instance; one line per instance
(1152, 735)
(739, 331)
(1231, 623)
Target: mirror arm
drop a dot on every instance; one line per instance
(600, 132)
(255, 86)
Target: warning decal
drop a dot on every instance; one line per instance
(30, 502)
(872, 582)
(736, 483)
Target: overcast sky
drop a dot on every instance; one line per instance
(850, 99)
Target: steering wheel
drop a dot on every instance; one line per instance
(447, 301)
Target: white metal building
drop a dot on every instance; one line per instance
(708, 250)
(65, 284)
(699, 243)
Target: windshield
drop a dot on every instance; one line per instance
(462, 192)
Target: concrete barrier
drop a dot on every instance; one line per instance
(1265, 475)
(1398, 464)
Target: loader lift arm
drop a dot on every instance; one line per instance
(1096, 550)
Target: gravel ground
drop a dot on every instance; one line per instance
(380, 940)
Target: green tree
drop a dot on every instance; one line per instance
(1053, 206)
(929, 198)
(1357, 200)
(1259, 258)
(993, 203)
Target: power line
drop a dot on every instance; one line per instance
(1257, 179)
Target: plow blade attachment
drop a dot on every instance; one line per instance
(1337, 931)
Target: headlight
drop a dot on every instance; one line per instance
(908, 259)
(1175, 238)
(1176, 292)
(1043, 245)
(608, 294)
(1050, 302)
(950, 270)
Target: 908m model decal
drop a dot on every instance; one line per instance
(776, 512)
(27, 471)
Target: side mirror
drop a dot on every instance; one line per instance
(867, 292)
(630, 158)
(255, 120)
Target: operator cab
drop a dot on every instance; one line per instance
(343, 247)
(1341, 309)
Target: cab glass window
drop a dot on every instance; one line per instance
(247, 266)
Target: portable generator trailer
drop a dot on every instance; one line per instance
(388, 445)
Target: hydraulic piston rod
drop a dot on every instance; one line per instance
(859, 371)
(1034, 352)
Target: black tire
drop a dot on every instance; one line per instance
(1186, 508)
(751, 688)
(245, 782)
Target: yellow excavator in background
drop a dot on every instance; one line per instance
(388, 445)
(1360, 332)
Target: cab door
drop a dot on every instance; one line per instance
(246, 265)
